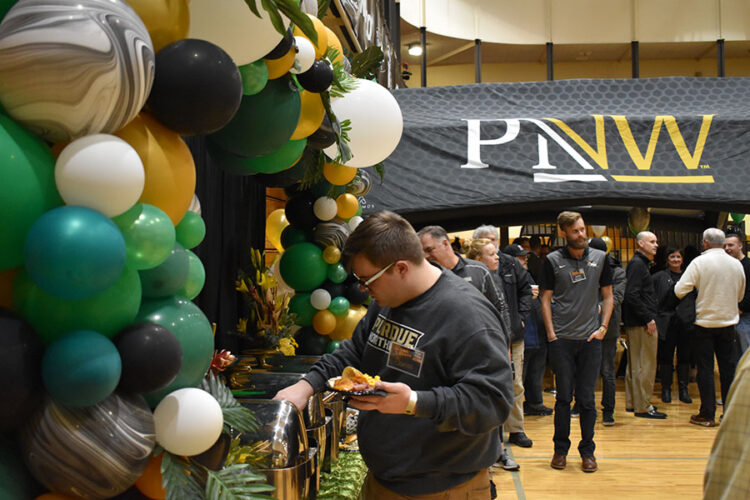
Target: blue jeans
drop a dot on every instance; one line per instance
(576, 365)
(743, 332)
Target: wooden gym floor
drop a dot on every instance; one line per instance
(637, 457)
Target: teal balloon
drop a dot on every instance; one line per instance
(191, 230)
(81, 368)
(27, 187)
(196, 277)
(264, 121)
(302, 267)
(167, 278)
(74, 252)
(254, 77)
(338, 306)
(149, 235)
(292, 235)
(51, 316)
(193, 331)
(337, 273)
(300, 306)
(332, 346)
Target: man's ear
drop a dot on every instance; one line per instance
(401, 267)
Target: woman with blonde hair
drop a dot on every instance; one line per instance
(483, 250)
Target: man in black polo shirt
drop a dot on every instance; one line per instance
(572, 279)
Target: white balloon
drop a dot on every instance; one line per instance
(376, 123)
(231, 25)
(282, 287)
(354, 222)
(195, 205)
(309, 7)
(598, 230)
(102, 172)
(188, 421)
(305, 55)
(320, 299)
(325, 208)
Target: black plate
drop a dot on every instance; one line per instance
(369, 392)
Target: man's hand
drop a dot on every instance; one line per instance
(551, 337)
(297, 394)
(651, 327)
(394, 402)
(598, 334)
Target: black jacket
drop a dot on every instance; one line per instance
(517, 286)
(640, 305)
(666, 301)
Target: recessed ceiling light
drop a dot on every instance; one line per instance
(415, 49)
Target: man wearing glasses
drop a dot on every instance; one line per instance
(439, 348)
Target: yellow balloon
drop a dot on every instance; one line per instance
(335, 43)
(324, 322)
(337, 174)
(280, 67)
(331, 254)
(320, 29)
(166, 20)
(169, 165)
(347, 205)
(275, 224)
(310, 116)
(610, 244)
(346, 323)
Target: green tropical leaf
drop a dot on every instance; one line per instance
(273, 12)
(380, 169)
(312, 162)
(367, 63)
(323, 6)
(236, 416)
(177, 479)
(236, 482)
(291, 9)
(253, 7)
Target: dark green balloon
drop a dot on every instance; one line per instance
(254, 77)
(310, 342)
(337, 273)
(167, 278)
(149, 235)
(191, 230)
(302, 266)
(196, 277)
(281, 159)
(301, 306)
(332, 346)
(107, 312)
(292, 235)
(264, 122)
(15, 480)
(192, 329)
(338, 306)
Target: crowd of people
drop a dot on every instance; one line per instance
(463, 338)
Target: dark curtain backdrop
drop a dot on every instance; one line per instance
(233, 208)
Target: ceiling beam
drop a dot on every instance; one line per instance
(450, 54)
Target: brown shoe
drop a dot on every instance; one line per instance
(589, 464)
(558, 462)
(698, 420)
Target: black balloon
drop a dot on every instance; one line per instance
(282, 47)
(291, 235)
(324, 136)
(21, 352)
(197, 87)
(284, 178)
(151, 357)
(299, 212)
(310, 342)
(354, 294)
(335, 289)
(318, 78)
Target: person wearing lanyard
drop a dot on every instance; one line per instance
(572, 279)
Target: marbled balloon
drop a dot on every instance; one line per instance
(331, 233)
(361, 185)
(70, 68)
(94, 452)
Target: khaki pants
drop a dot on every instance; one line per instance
(515, 419)
(477, 488)
(641, 366)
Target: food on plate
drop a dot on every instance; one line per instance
(354, 380)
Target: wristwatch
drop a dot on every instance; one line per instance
(411, 406)
(603, 328)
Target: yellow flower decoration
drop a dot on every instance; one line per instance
(241, 286)
(287, 345)
(242, 325)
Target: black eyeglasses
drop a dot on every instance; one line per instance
(369, 281)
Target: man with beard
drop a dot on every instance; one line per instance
(572, 279)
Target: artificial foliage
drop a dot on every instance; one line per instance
(291, 9)
(345, 479)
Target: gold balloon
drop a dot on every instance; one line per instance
(610, 244)
(335, 43)
(324, 322)
(346, 323)
(347, 205)
(638, 219)
(169, 165)
(337, 174)
(166, 20)
(320, 29)
(331, 254)
(281, 66)
(310, 116)
(275, 224)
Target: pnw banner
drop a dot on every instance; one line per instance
(681, 142)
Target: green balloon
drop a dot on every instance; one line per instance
(302, 266)
(167, 278)
(193, 331)
(264, 122)
(107, 312)
(196, 277)
(338, 306)
(254, 77)
(337, 273)
(292, 235)
(737, 218)
(149, 235)
(301, 306)
(191, 230)
(277, 161)
(332, 346)
(27, 188)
